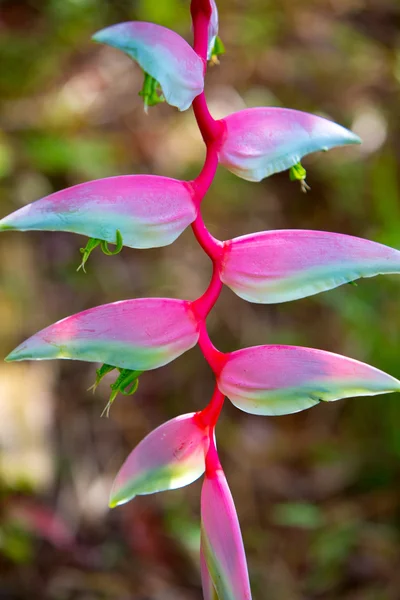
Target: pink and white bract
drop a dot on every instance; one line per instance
(221, 542)
(140, 334)
(266, 267)
(279, 380)
(278, 266)
(148, 211)
(261, 141)
(161, 53)
(171, 456)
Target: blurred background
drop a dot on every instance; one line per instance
(317, 492)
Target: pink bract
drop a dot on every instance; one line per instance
(148, 211)
(221, 541)
(171, 456)
(278, 266)
(140, 334)
(161, 53)
(279, 380)
(261, 141)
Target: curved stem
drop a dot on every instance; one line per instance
(211, 246)
(206, 176)
(210, 129)
(212, 459)
(203, 305)
(209, 416)
(214, 357)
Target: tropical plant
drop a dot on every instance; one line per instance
(134, 336)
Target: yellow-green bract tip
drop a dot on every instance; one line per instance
(12, 357)
(5, 227)
(113, 503)
(119, 499)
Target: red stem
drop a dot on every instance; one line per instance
(201, 15)
(213, 356)
(211, 131)
(203, 305)
(211, 246)
(206, 176)
(212, 459)
(209, 416)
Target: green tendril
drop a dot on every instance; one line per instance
(100, 373)
(86, 251)
(298, 173)
(126, 383)
(94, 242)
(217, 50)
(151, 92)
(119, 243)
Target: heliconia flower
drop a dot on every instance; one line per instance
(212, 29)
(149, 211)
(279, 380)
(278, 266)
(161, 53)
(170, 457)
(261, 141)
(139, 334)
(221, 542)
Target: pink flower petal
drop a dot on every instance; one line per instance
(136, 334)
(171, 456)
(221, 541)
(278, 266)
(279, 380)
(148, 211)
(161, 53)
(262, 141)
